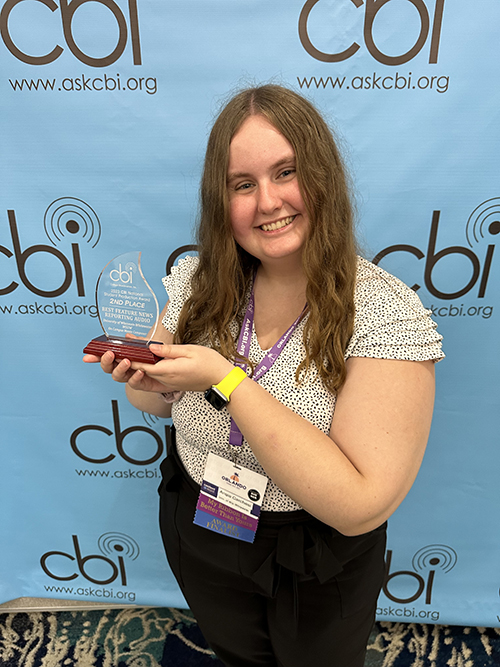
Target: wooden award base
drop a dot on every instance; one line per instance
(123, 348)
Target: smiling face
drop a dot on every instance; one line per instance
(268, 215)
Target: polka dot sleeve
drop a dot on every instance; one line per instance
(390, 321)
(178, 287)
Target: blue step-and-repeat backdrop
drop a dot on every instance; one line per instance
(105, 110)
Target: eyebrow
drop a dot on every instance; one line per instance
(288, 159)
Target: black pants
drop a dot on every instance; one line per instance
(302, 594)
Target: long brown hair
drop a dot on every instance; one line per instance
(225, 270)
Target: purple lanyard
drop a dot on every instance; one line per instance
(243, 347)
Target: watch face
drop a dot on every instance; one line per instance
(216, 398)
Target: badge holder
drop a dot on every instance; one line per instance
(230, 499)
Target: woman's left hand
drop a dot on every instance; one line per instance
(186, 367)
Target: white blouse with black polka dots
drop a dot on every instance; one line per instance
(390, 323)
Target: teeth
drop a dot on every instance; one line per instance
(277, 225)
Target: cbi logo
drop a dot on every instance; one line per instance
(371, 10)
(66, 217)
(483, 222)
(100, 569)
(123, 276)
(426, 563)
(82, 445)
(12, 17)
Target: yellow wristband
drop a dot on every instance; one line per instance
(231, 381)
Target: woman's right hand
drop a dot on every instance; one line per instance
(142, 391)
(121, 371)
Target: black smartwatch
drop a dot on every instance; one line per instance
(219, 394)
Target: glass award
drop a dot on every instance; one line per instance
(128, 310)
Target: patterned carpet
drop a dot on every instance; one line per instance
(145, 637)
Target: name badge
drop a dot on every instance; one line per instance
(230, 499)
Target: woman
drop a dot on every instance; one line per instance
(335, 418)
